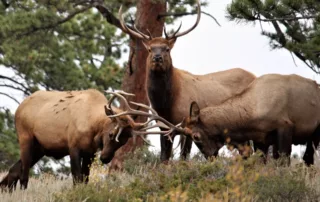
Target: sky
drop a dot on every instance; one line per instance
(210, 48)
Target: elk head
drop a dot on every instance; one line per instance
(159, 58)
(123, 125)
(208, 139)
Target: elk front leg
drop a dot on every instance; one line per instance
(85, 167)
(166, 148)
(75, 161)
(186, 144)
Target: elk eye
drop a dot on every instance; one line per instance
(149, 50)
(111, 136)
(167, 49)
(196, 137)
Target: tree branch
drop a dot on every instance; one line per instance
(59, 22)
(13, 87)
(9, 96)
(187, 13)
(288, 18)
(25, 89)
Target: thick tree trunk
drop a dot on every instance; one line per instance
(134, 79)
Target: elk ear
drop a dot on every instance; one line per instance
(194, 112)
(109, 112)
(171, 42)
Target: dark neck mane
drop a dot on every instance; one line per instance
(160, 91)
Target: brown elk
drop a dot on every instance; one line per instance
(277, 110)
(61, 123)
(170, 89)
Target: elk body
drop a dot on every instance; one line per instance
(57, 124)
(277, 110)
(170, 89)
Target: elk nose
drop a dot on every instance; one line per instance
(157, 58)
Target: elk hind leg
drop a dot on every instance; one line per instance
(283, 143)
(312, 144)
(11, 179)
(30, 153)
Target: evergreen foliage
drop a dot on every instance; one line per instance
(60, 45)
(296, 25)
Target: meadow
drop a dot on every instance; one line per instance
(145, 179)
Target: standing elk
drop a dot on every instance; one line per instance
(170, 89)
(61, 123)
(277, 110)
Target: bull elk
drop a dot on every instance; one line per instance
(170, 89)
(277, 110)
(61, 123)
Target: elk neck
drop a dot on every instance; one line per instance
(230, 115)
(160, 88)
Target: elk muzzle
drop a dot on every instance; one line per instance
(157, 58)
(106, 158)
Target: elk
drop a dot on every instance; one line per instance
(277, 110)
(170, 89)
(61, 123)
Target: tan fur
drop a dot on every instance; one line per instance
(184, 87)
(58, 123)
(62, 119)
(274, 109)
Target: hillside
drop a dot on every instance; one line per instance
(144, 179)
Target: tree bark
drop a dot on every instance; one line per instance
(135, 76)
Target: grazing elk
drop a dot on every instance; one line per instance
(75, 123)
(275, 109)
(170, 89)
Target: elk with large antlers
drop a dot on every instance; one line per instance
(277, 110)
(170, 89)
(75, 123)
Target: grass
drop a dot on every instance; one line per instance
(145, 179)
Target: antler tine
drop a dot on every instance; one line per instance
(174, 34)
(150, 35)
(126, 29)
(165, 32)
(166, 133)
(144, 106)
(157, 125)
(195, 25)
(146, 141)
(142, 34)
(120, 96)
(118, 134)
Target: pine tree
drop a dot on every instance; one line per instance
(296, 25)
(71, 45)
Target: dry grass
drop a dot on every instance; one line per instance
(39, 189)
(144, 179)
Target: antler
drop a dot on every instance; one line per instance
(138, 34)
(140, 128)
(176, 34)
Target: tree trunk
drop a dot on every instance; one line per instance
(135, 76)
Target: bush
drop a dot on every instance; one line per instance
(223, 179)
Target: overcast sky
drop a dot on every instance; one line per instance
(211, 48)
